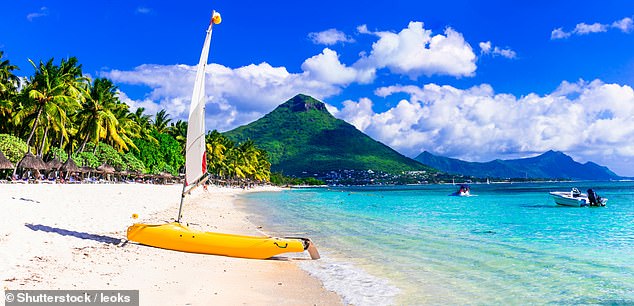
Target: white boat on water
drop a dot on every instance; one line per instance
(464, 191)
(577, 199)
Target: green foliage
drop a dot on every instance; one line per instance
(277, 178)
(108, 155)
(133, 163)
(13, 147)
(245, 160)
(59, 153)
(86, 159)
(166, 155)
(302, 138)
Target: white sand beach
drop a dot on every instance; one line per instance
(57, 236)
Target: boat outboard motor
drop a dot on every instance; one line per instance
(593, 198)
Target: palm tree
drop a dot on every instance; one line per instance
(263, 167)
(129, 129)
(52, 92)
(8, 80)
(216, 148)
(97, 116)
(8, 92)
(161, 121)
(178, 130)
(144, 123)
(220, 154)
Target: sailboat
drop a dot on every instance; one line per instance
(176, 235)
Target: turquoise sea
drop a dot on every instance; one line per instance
(508, 245)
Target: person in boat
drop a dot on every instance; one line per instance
(464, 189)
(594, 198)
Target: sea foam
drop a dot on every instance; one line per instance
(352, 283)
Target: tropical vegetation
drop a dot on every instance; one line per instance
(59, 112)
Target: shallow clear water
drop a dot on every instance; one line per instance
(510, 244)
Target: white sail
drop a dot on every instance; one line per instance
(195, 160)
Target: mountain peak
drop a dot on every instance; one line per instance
(303, 103)
(550, 164)
(553, 153)
(303, 138)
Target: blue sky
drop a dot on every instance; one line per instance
(475, 80)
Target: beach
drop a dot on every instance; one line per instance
(72, 236)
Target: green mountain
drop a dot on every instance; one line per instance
(302, 137)
(551, 164)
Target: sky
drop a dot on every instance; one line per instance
(475, 80)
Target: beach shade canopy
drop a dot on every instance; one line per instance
(105, 168)
(30, 161)
(4, 162)
(54, 164)
(165, 175)
(69, 166)
(123, 173)
(86, 169)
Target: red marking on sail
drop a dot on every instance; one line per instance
(204, 162)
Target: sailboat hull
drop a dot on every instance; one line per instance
(175, 236)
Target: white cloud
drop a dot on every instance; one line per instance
(238, 96)
(143, 10)
(583, 28)
(150, 106)
(625, 25)
(326, 67)
(41, 13)
(559, 33)
(363, 29)
(415, 52)
(360, 113)
(486, 48)
(588, 120)
(329, 37)
(234, 96)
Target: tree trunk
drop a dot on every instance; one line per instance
(41, 150)
(28, 140)
(83, 144)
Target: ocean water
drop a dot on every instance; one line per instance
(508, 245)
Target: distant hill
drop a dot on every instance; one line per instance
(551, 164)
(301, 136)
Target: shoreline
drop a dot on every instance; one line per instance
(57, 236)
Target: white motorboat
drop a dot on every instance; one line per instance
(577, 199)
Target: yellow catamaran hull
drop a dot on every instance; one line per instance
(175, 236)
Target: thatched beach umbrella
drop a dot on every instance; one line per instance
(69, 166)
(54, 164)
(105, 168)
(30, 161)
(86, 169)
(165, 175)
(4, 162)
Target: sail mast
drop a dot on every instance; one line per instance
(195, 159)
